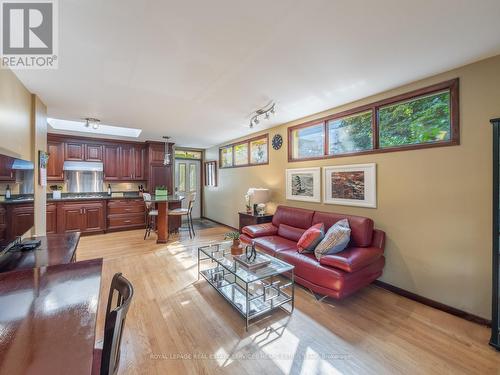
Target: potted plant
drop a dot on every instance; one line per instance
(161, 191)
(236, 248)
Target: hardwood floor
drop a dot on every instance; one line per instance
(178, 325)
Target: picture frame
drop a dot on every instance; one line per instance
(351, 185)
(303, 184)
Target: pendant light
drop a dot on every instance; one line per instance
(167, 157)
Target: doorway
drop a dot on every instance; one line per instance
(188, 180)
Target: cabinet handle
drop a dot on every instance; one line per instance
(127, 221)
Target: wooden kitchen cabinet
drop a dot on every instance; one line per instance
(6, 173)
(125, 214)
(131, 163)
(74, 151)
(55, 164)
(51, 218)
(126, 163)
(139, 161)
(21, 217)
(112, 170)
(82, 217)
(93, 152)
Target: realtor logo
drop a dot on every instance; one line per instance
(29, 34)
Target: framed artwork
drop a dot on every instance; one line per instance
(43, 159)
(351, 185)
(258, 151)
(303, 184)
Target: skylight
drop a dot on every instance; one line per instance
(77, 126)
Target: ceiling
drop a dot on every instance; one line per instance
(196, 70)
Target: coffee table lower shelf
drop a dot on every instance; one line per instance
(251, 299)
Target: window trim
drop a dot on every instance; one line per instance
(247, 141)
(451, 85)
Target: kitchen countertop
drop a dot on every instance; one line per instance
(87, 197)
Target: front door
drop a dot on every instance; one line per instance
(187, 180)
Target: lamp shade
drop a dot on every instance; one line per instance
(258, 196)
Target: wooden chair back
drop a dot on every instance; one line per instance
(120, 296)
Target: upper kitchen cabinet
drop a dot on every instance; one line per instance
(131, 162)
(112, 168)
(74, 151)
(6, 173)
(55, 150)
(93, 152)
(122, 160)
(139, 162)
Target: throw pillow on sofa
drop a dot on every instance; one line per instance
(311, 238)
(336, 239)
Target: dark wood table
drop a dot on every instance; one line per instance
(48, 317)
(55, 249)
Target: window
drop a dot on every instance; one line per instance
(258, 151)
(187, 154)
(423, 118)
(182, 177)
(254, 151)
(416, 121)
(350, 133)
(241, 154)
(308, 141)
(226, 157)
(192, 177)
(211, 173)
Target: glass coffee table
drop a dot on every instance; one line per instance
(251, 292)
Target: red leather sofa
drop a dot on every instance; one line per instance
(337, 275)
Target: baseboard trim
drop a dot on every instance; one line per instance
(429, 302)
(217, 222)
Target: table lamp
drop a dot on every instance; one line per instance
(259, 197)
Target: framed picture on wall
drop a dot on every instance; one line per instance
(351, 185)
(303, 184)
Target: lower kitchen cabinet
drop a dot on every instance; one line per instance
(51, 218)
(85, 217)
(21, 218)
(125, 214)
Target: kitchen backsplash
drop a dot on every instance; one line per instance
(115, 186)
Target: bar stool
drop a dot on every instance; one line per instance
(151, 214)
(186, 211)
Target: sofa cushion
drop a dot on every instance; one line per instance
(274, 244)
(361, 227)
(260, 230)
(311, 238)
(307, 267)
(353, 258)
(290, 233)
(295, 217)
(336, 239)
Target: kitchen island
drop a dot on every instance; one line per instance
(163, 203)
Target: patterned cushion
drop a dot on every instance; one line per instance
(311, 238)
(336, 239)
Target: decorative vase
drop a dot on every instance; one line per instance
(236, 248)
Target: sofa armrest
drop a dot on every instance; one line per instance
(352, 258)
(260, 230)
(378, 239)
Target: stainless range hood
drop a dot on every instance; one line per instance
(83, 176)
(83, 166)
